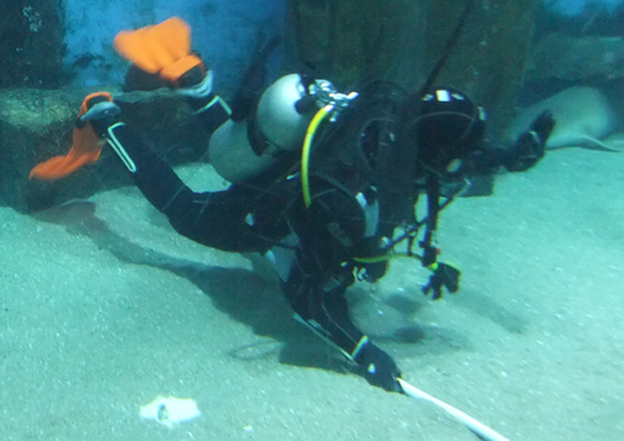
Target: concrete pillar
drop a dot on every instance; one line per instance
(350, 41)
(488, 62)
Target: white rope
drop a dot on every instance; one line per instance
(479, 428)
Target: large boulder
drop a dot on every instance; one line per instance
(36, 125)
(400, 40)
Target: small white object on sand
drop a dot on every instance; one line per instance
(170, 411)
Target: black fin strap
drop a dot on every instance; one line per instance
(258, 142)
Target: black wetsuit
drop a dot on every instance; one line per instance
(256, 215)
(334, 233)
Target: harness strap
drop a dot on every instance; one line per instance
(430, 251)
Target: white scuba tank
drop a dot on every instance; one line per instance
(277, 120)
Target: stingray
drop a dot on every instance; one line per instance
(584, 116)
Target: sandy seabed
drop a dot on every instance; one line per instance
(104, 308)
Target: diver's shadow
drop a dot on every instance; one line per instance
(391, 324)
(407, 338)
(256, 302)
(238, 292)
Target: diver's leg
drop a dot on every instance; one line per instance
(216, 219)
(153, 176)
(326, 313)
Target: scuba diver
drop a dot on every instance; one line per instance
(324, 184)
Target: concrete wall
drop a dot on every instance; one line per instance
(226, 33)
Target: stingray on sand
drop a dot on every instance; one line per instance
(584, 117)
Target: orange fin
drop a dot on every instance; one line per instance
(86, 149)
(61, 166)
(154, 48)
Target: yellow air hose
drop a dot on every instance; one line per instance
(305, 152)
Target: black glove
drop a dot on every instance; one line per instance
(444, 275)
(530, 145)
(379, 368)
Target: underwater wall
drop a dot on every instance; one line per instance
(50, 43)
(226, 33)
(31, 44)
(574, 7)
(381, 38)
(351, 42)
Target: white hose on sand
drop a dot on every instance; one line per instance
(479, 428)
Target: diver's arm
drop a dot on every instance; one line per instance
(325, 311)
(330, 231)
(524, 154)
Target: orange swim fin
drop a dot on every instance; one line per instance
(86, 149)
(164, 48)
